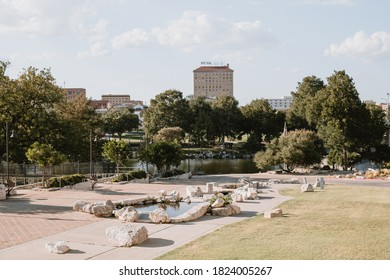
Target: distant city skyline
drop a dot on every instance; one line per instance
(145, 47)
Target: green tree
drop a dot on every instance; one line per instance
(167, 109)
(76, 120)
(297, 148)
(304, 110)
(163, 155)
(120, 120)
(201, 125)
(45, 156)
(118, 152)
(342, 118)
(226, 117)
(27, 103)
(170, 134)
(260, 122)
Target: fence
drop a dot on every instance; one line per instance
(23, 174)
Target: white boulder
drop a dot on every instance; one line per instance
(307, 188)
(128, 235)
(273, 213)
(210, 187)
(79, 205)
(193, 191)
(103, 208)
(159, 216)
(237, 197)
(219, 202)
(59, 247)
(252, 193)
(192, 214)
(127, 214)
(226, 211)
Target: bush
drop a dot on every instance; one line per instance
(53, 183)
(66, 180)
(135, 174)
(171, 173)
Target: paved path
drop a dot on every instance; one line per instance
(32, 218)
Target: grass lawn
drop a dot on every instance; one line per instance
(338, 223)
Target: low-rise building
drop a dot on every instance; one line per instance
(280, 103)
(72, 93)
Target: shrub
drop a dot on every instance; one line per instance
(53, 183)
(66, 180)
(227, 198)
(135, 174)
(171, 173)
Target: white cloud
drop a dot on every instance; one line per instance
(195, 29)
(192, 29)
(133, 38)
(362, 46)
(96, 50)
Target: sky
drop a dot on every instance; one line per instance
(145, 47)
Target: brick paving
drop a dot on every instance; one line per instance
(34, 214)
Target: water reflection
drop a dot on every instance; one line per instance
(211, 166)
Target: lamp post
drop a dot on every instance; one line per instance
(387, 118)
(7, 149)
(9, 183)
(90, 154)
(92, 176)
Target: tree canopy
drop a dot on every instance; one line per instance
(120, 120)
(261, 123)
(297, 148)
(167, 109)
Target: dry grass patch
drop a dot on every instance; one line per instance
(339, 223)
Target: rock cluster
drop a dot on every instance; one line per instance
(103, 209)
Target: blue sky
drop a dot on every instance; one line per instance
(145, 47)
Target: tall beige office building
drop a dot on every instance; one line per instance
(211, 81)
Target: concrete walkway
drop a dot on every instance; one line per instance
(33, 218)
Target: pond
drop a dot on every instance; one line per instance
(172, 209)
(210, 166)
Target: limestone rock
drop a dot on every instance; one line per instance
(78, 205)
(59, 247)
(252, 193)
(193, 191)
(226, 211)
(127, 214)
(218, 203)
(307, 188)
(237, 197)
(192, 214)
(87, 208)
(320, 182)
(162, 193)
(159, 216)
(209, 187)
(273, 213)
(173, 196)
(103, 209)
(128, 235)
